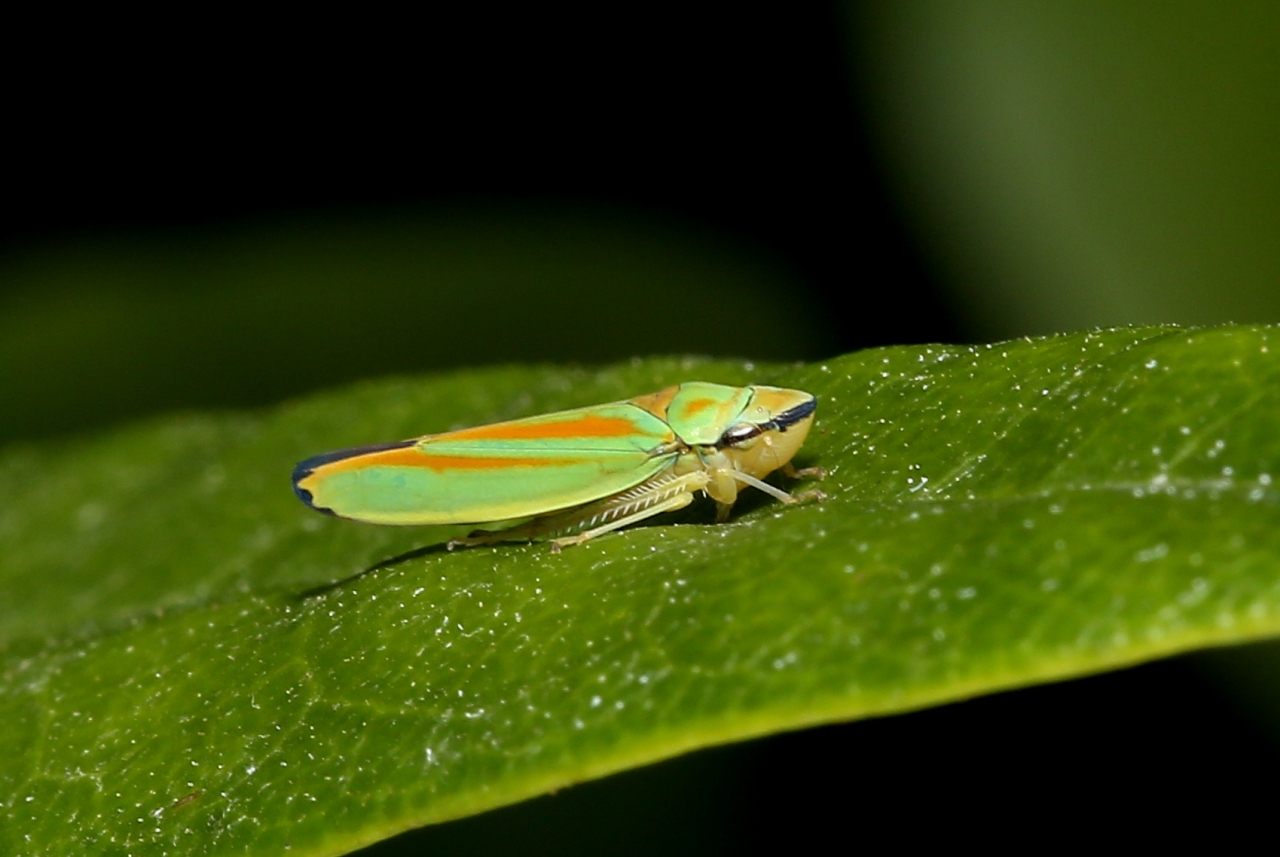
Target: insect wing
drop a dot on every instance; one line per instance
(492, 473)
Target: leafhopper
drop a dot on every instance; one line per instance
(573, 474)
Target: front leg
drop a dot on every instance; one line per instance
(789, 470)
(777, 492)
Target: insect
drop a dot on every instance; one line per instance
(573, 474)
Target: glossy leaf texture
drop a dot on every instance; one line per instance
(192, 662)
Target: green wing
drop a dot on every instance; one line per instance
(491, 473)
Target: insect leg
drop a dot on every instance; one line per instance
(635, 504)
(763, 486)
(777, 492)
(789, 470)
(679, 501)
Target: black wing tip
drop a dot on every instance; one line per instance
(305, 496)
(302, 471)
(305, 468)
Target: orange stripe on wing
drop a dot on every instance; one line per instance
(575, 427)
(466, 462)
(411, 457)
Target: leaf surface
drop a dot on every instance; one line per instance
(193, 662)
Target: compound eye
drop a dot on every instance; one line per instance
(740, 433)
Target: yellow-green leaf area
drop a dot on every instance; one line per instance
(193, 662)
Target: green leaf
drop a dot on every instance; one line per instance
(191, 663)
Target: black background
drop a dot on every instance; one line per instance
(743, 120)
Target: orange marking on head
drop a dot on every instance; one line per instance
(696, 406)
(570, 428)
(411, 457)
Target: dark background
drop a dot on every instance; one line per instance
(745, 124)
(755, 130)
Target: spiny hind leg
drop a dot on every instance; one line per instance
(669, 505)
(662, 493)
